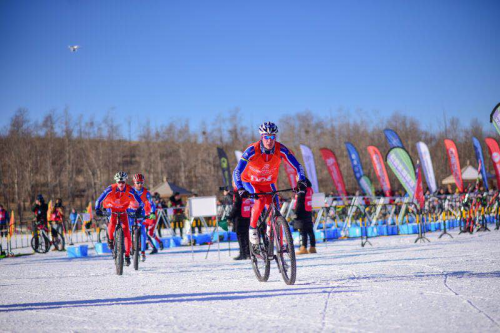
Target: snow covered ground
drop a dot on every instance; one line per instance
(450, 285)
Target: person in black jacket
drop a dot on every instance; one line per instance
(240, 216)
(303, 218)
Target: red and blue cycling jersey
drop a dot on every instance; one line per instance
(117, 200)
(258, 166)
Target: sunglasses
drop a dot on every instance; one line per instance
(121, 182)
(139, 183)
(269, 137)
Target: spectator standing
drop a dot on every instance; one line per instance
(176, 203)
(240, 216)
(303, 221)
(4, 221)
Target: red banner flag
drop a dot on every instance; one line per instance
(334, 170)
(454, 162)
(495, 156)
(380, 170)
(419, 189)
(291, 174)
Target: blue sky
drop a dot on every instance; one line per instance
(162, 60)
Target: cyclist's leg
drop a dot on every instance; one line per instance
(144, 236)
(151, 226)
(126, 234)
(111, 227)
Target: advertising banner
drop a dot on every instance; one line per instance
(495, 117)
(224, 165)
(334, 170)
(426, 164)
(310, 166)
(393, 138)
(380, 170)
(480, 161)
(495, 156)
(454, 162)
(401, 164)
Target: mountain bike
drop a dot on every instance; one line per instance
(119, 241)
(136, 233)
(41, 243)
(277, 237)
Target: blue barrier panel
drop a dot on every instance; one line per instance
(403, 229)
(332, 233)
(233, 237)
(202, 239)
(392, 230)
(175, 241)
(319, 236)
(383, 230)
(77, 251)
(222, 236)
(354, 232)
(296, 237)
(102, 248)
(372, 231)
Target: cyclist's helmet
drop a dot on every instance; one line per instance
(268, 128)
(39, 197)
(139, 178)
(121, 176)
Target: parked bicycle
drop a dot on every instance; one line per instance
(277, 237)
(41, 243)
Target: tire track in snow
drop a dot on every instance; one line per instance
(445, 281)
(468, 301)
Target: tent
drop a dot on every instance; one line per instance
(167, 189)
(469, 174)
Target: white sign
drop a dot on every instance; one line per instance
(202, 206)
(318, 200)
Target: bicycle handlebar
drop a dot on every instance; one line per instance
(256, 195)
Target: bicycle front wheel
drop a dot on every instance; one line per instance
(40, 243)
(258, 254)
(119, 245)
(137, 247)
(285, 251)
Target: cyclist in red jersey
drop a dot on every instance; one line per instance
(149, 223)
(117, 198)
(257, 171)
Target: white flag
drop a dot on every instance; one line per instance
(238, 155)
(307, 154)
(426, 161)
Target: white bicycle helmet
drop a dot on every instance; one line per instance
(121, 176)
(268, 128)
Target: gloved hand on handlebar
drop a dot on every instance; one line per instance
(99, 212)
(152, 216)
(243, 193)
(138, 213)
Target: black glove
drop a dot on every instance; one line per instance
(138, 214)
(243, 193)
(302, 185)
(99, 212)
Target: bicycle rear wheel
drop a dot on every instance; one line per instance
(137, 247)
(119, 244)
(285, 251)
(59, 242)
(260, 262)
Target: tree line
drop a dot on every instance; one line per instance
(75, 158)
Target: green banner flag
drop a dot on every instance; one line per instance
(401, 164)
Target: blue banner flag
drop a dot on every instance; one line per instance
(480, 160)
(357, 168)
(393, 138)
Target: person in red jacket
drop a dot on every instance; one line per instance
(117, 198)
(303, 218)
